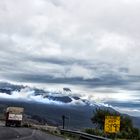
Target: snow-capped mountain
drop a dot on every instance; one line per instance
(26, 93)
(46, 103)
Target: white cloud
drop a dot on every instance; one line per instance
(130, 111)
(79, 71)
(105, 34)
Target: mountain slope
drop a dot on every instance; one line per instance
(49, 106)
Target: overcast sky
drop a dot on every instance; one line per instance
(90, 44)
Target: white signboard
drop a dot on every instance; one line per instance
(16, 117)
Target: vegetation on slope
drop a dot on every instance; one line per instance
(127, 130)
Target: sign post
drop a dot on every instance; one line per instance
(112, 124)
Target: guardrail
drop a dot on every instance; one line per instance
(83, 135)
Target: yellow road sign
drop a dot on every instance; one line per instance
(112, 124)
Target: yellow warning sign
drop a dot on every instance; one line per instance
(112, 124)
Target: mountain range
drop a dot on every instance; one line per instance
(49, 106)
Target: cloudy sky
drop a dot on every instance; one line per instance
(92, 45)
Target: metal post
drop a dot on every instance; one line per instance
(63, 119)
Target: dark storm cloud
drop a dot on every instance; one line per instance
(108, 81)
(59, 61)
(133, 105)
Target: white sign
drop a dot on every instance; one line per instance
(16, 117)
